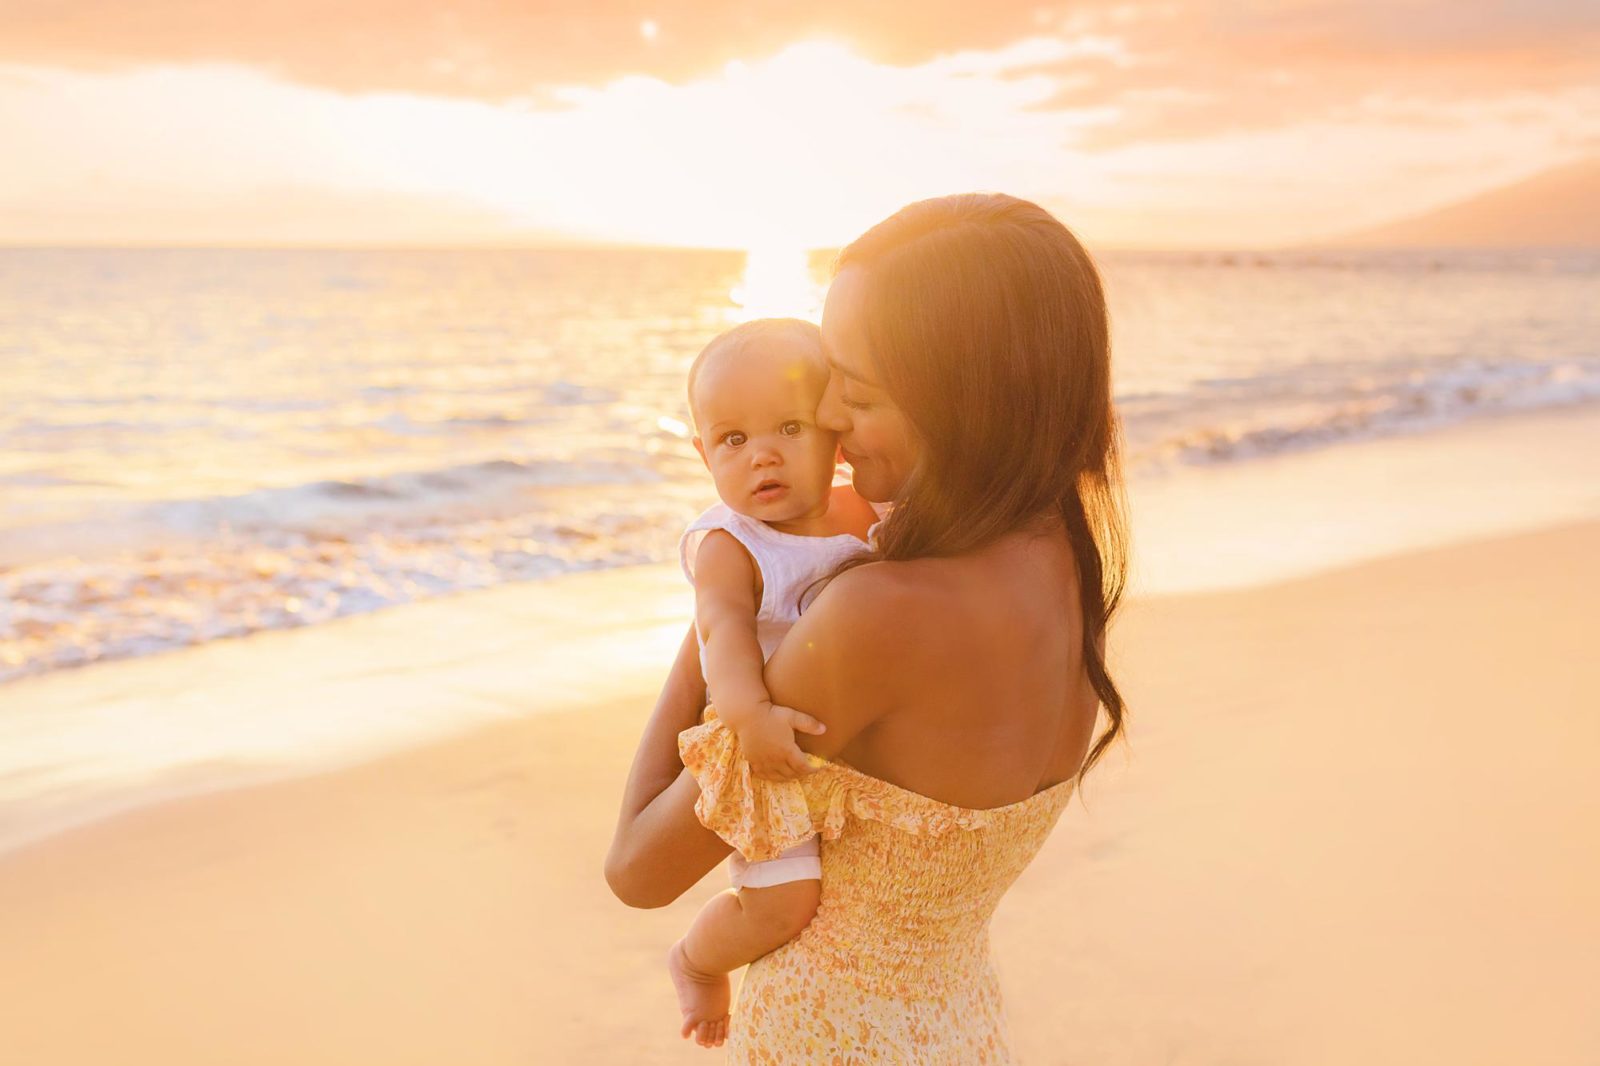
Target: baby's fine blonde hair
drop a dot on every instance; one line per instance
(730, 343)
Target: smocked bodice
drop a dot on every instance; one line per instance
(909, 883)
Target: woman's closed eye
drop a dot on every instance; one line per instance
(835, 376)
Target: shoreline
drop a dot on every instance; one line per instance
(82, 744)
(1379, 494)
(282, 703)
(1343, 828)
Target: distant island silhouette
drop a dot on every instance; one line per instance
(1557, 208)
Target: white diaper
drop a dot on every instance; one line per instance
(799, 863)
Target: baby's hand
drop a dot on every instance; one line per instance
(766, 738)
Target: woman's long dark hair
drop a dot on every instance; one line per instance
(988, 328)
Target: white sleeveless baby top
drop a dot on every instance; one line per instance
(789, 564)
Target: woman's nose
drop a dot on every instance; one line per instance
(831, 414)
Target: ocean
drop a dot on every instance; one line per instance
(197, 444)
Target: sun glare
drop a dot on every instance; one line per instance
(777, 284)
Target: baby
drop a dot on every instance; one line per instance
(782, 523)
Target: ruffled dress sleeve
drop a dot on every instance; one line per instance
(761, 818)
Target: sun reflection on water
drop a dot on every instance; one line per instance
(777, 283)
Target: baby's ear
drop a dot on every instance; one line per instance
(700, 447)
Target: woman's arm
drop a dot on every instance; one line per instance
(652, 826)
(837, 663)
(828, 664)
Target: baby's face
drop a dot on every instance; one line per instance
(755, 413)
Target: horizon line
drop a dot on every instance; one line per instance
(585, 246)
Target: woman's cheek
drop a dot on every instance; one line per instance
(885, 433)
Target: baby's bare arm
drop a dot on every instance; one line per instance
(727, 597)
(725, 605)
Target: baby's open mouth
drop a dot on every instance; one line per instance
(770, 487)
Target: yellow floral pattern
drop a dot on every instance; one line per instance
(895, 967)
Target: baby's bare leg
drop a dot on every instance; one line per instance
(738, 927)
(733, 929)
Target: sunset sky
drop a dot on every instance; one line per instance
(757, 124)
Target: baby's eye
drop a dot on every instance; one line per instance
(733, 438)
(792, 428)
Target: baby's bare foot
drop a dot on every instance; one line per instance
(702, 997)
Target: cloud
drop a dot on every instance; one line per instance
(255, 215)
(1190, 72)
(793, 149)
(490, 50)
(1151, 123)
(1173, 70)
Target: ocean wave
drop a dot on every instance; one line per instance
(43, 479)
(239, 579)
(464, 492)
(466, 488)
(1370, 407)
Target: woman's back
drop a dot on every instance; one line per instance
(990, 697)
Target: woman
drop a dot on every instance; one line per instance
(955, 674)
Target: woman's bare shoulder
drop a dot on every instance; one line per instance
(865, 620)
(872, 590)
(839, 662)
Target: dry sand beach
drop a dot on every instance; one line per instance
(1355, 824)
